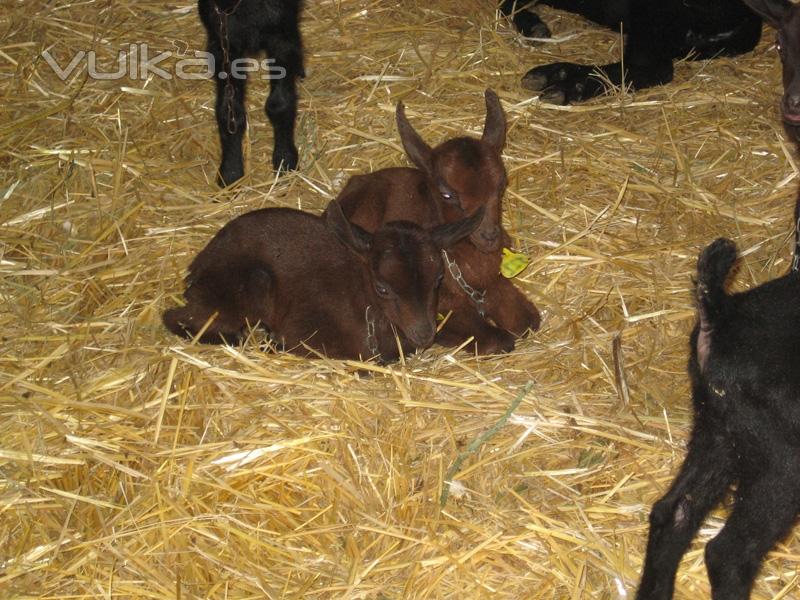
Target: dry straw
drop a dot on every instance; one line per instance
(136, 465)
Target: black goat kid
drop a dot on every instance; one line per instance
(657, 32)
(746, 396)
(238, 29)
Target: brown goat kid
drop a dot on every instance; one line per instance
(318, 284)
(456, 178)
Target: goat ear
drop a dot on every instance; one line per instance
(352, 236)
(444, 236)
(771, 11)
(494, 130)
(417, 150)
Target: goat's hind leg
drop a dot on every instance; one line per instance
(703, 480)
(764, 512)
(284, 48)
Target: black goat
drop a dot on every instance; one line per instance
(657, 32)
(240, 28)
(745, 349)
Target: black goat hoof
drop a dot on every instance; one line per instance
(534, 81)
(553, 96)
(285, 160)
(229, 175)
(562, 83)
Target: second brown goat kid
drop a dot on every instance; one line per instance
(454, 179)
(318, 284)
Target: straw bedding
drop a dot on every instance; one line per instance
(136, 465)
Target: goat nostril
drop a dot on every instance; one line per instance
(423, 335)
(793, 102)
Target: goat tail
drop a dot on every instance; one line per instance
(713, 267)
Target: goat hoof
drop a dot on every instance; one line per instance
(229, 174)
(562, 83)
(553, 96)
(285, 159)
(535, 81)
(533, 324)
(503, 343)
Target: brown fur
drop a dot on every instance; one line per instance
(309, 280)
(454, 179)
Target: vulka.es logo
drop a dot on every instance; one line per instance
(137, 64)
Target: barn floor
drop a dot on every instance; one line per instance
(136, 465)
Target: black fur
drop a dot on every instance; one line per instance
(657, 33)
(746, 397)
(253, 27)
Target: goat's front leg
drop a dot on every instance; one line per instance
(465, 322)
(648, 55)
(764, 512)
(285, 49)
(510, 309)
(231, 115)
(566, 83)
(703, 480)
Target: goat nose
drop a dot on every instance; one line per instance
(422, 335)
(792, 102)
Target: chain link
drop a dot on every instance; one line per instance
(372, 339)
(478, 297)
(224, 40)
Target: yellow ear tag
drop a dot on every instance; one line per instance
(439, 317)
(513, 263)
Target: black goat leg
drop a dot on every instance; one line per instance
(703, 480)
(285, 49)
(565, 83)
(647, 61)
(231, 115)
(764, 512)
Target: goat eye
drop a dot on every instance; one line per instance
(449, 197)
(439, 279)
(382, 290)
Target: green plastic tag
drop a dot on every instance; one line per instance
(513, 263)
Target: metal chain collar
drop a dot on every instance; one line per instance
(222, 16)
(478, 297)
(372, 339)
(796, 257)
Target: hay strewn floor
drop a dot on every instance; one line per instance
(137, 466)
